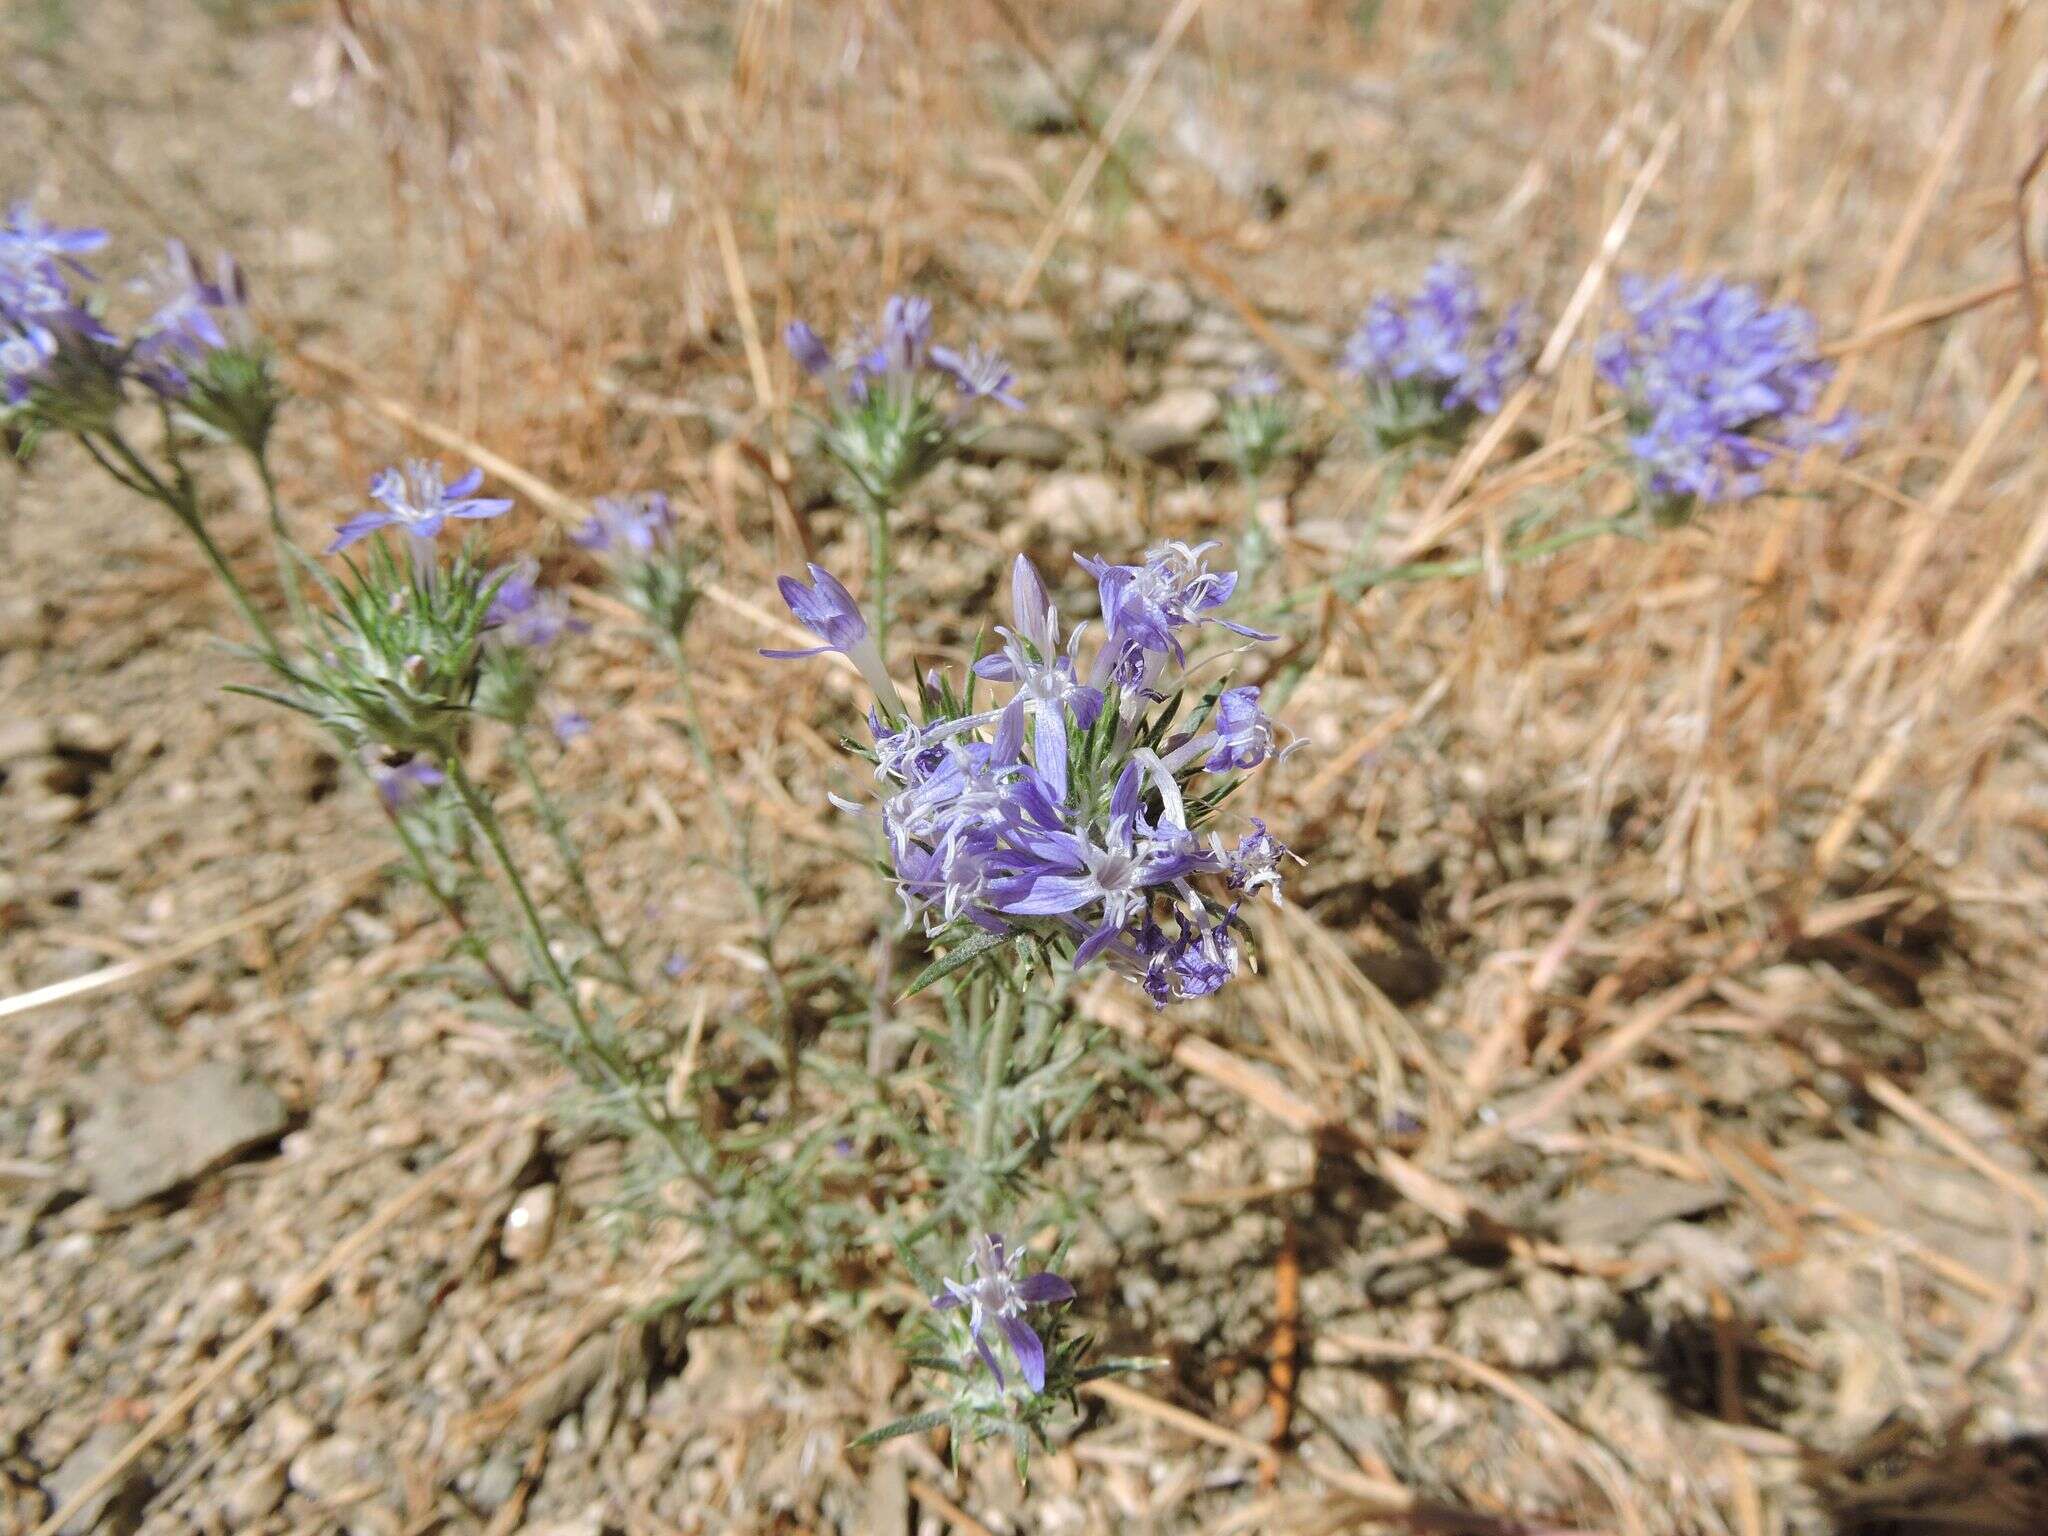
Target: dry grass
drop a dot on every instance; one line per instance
(1757, 800)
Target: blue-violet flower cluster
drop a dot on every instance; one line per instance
(39, 306)
(1426, 357)
(1718, 384)
(887, 426)
(1075, 811)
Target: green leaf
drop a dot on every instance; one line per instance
(916, 1424)
(1118, 1367)
(926, 1281)
(962, 955)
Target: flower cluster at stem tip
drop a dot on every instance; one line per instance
(1077, 811)
(62, 366)
(1717, 386)
(888, 426)
(1426, 358)
(995, 1296)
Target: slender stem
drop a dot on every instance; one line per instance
(994, 1071)
(572, 860)
(179, 501)
(879, 567)
(280, 540)
(608, 1065)
(451, 908)
(743, 856)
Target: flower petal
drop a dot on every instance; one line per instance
(1044, 1288)
(1029, 1350)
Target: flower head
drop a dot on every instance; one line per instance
(414, 498)
(399, 784)
(191, 316)
(888, 425)
(995, 1296)
(39, 307)
(1426, 357)
(636, 523)
(527, 615)
(979, 375)
(1718, 385)
(1048, 814)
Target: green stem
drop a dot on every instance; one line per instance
(180, 504)
(280, 542)
(741, 836)
(450, 907)
(994, 1070)
(609, 1067)
(879, 568)
(557, 828)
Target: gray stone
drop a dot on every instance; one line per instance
(1169, 425)
(1157, 304)
(1031, 442)
(1227, 158)
(145, 1139)
(21, 740)
(117, 1508)
(25, 623)
(488, 1487)
(1617, 1209)
(337, 1468)
(1075, 509)
(254, 1497)
(90, 735)
(1035, 105)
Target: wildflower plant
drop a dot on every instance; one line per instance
(1717, 386)
(1258, 423)
(1427, 364)
(1071, 824)
(897, 407)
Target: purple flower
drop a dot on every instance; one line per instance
(527, 615)
(980, 375)
(38, 308)
(1144, 607)
(1111, 872)
(1031, 660)
(569, 725)
(413, 497)
(399, 784)
(828, 611)
(637, 523)
(811, 354)
(25, 350)
(1430, 342)
(1718, 385)
(1255, 865)
(190, 316)
(1243, 734)
(994, 1293)
(906, 335)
